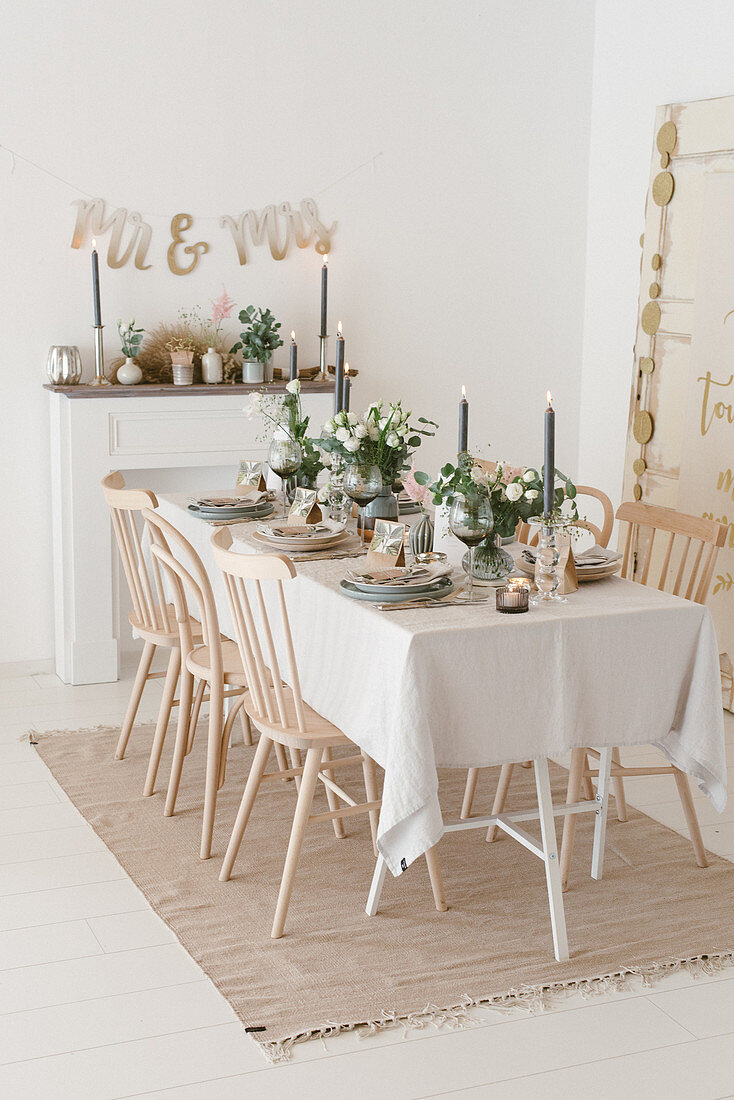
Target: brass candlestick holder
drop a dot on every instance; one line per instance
(99, 375)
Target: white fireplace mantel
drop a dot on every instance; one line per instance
(95, 431)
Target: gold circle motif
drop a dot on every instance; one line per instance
(662, 188)
(667, 137)
(642, 427)
(656, 262)
(639, 466)
(665, 160)
(647, 365)
(637, 492)
(654, 290)
(650, 319)
(642, 240)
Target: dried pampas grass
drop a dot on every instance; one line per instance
(154, 359)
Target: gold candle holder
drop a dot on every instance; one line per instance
(323, 369)
(99, 375)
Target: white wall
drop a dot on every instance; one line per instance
(459, 258)
(646, 54)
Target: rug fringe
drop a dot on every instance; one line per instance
(532, 999)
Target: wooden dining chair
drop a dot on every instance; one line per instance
(675, 553)
(152, 618)
(283, 718)
(214, 665)
(522, 534)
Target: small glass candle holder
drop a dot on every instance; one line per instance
(547, 577)
(514, 598)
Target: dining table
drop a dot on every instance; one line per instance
(464, 686)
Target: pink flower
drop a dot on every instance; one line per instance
(221, 307)
(509, 473)
(413, 489)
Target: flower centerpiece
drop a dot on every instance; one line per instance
(515, 494)
(283, 414)
(382, 436)
(258, 340)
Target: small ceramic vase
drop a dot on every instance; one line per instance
(252, 371)
(212, 367)
(420, 536)
(129, 374)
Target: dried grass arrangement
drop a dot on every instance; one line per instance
(154, 359)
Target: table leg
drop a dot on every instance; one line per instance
(378, 881)
(550, 858)
(600, 825)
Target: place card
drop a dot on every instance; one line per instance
(567, 571)
(304, 508)
(387, 548)
(251, 474)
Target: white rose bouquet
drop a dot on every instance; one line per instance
(515, 492)
(382, 436)
(283, 413)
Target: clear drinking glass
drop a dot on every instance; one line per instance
(470, 519)
(284, 458)
(362, 483)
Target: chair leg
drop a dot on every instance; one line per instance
(378, 881)
(471, 785)
(146, 659)
(550, 858)
(236, 705)
(300, 821)
(332, 798)
(194, 720)
(600, 825)
(257, 770)
(620, 801)
(573, 794)
(164, 715)
(371, 791)
(182, 736)
(246, 727)
(213, 758)
(434, 871)
(684, 790)
(587, 785)
(500, 797)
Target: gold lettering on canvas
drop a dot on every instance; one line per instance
(711, 409)
(93, 221)
(180, 223)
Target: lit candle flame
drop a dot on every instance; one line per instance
(549, 396)
(326, 259)
(346, 368)
(463, 393)
(339, 328)
(293, 337)
(94, 243)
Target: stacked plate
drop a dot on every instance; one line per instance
(591, 565)
(398, 585)
(406, 506)
(225, 506)
(280, 535)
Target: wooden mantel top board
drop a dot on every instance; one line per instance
(153, 390)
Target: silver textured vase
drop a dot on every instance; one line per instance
(64, 365)
(420, 536)
(491, 561)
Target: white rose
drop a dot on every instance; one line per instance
(479, 476)
(352, 417)
(373, 431)
(294, 386)
(382, 422)
(513, 491)
(341, 418)
(529, 475)
(342, 434)
(323, 494)
(329, 427)
(531, 494)
(393, 440)
(360, 431)
(351, 445)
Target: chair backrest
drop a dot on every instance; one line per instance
(186, 576)
(131, 532)
(601, 534)
(256, 644)
(683, 561)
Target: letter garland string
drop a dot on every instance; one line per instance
(663, 187)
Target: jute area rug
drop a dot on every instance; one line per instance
(337, 968)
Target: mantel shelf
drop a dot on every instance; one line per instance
(151, 390)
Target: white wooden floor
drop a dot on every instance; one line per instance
(97, 1000)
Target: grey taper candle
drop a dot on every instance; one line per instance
(346, 388)
(324, 283)
(294, 357)
(550, 458)
(339, 379)
(95, 284)
(463, 423)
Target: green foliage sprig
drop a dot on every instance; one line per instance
(259, 337)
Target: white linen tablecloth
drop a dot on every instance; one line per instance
(457, 687)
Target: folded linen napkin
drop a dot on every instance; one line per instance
(227, 500)
(593, 557)
(411, 574)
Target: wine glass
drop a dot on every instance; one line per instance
(470, 519)
(284, 458)
(362, 483)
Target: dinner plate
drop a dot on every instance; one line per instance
(325, 532)
(259, 511)
(589, 573)
(418, 586)
(439, 588)
(299, 547)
